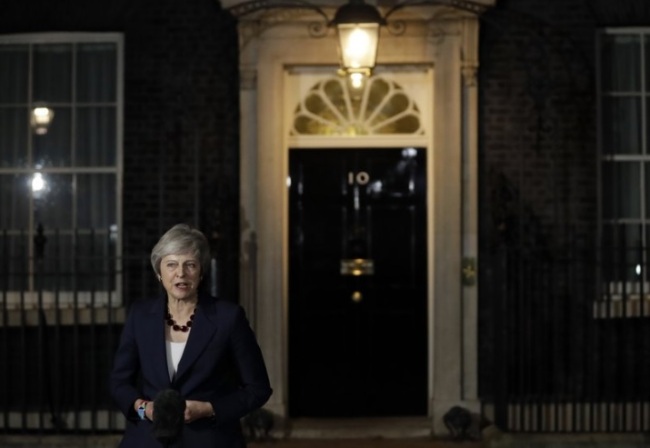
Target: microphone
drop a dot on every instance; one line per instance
(168, 416)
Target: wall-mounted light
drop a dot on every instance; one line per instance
(40, 119)
(357, 26)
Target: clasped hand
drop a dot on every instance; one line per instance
(194, 410)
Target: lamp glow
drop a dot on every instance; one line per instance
(356, 80)
(357, 26)
(41, 118)
(357, 48)
(38, 183)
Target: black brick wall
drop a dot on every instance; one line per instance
(181, 113)
(538, 150)
(181, 121)
(539, 195)
(538, 140)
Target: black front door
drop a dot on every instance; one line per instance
(357, 283)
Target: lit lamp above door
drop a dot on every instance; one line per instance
(357, 26)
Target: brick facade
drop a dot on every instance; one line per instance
(538, 111)
(181, 114)
(539, 206)
(181, 118)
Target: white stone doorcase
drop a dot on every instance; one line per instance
(435, 55)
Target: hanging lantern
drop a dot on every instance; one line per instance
(357, 27)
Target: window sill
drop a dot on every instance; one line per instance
(617, 306)
(60, 308)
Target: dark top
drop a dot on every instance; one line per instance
(222, 363)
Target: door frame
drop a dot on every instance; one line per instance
(449, 49)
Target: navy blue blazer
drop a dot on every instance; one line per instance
(222, 363)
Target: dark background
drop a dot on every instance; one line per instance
(537, 143)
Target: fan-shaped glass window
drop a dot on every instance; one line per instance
(332, 107)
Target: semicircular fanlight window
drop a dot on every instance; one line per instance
(381, 106)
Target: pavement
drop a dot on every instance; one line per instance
(509, 441)
(412, 434)
(365, 443)
(358, 433)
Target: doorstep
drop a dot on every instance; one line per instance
(351, 428)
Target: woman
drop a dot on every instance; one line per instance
(190, 342)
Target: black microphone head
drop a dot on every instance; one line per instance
(168, 416)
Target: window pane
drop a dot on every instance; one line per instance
(620, 62)
(622, 252)
(14, 261)
(96, 72)
(14, 201)
(647, 190)
(96, 253)
(54, 148)
(647, 61)
(53, 204)
(14, 61)
(621, 125)
(646, 261)
(621, 190)
(52, 73)
(76, 261)
(54, 271)
(647, 125)
(93, 213)
(13, 137)
(96, 137)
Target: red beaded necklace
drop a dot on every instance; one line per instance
(172, 323)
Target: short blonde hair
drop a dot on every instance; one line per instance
(182, 239)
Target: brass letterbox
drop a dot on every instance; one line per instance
(357, 266)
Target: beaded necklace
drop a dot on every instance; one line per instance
(172, 323)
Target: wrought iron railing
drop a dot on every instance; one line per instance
(554, 354)
(57, 343)
(559, 351)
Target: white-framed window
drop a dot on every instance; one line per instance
(61, 98)
(623, 56)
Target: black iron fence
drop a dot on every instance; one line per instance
(58, 336)
(564, 346)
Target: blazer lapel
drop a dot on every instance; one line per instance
(203, 328)
(156, 340)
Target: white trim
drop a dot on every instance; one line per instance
(372, 142)
(60, 37)
(623, 300)
(268, 52)
(624, 30)
(19, 300)
(82, 315)
(103, 420)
